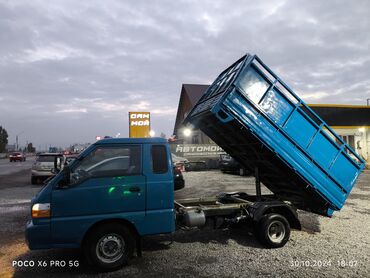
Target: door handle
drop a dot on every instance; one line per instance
(134, 189)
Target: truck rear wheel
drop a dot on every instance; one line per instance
(109, 247)
(273, 230)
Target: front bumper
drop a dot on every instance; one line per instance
(16, 158)
(38, 236)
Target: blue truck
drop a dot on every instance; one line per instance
(119, 190)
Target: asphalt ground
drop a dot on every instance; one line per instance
(7, 167)
(326, 247)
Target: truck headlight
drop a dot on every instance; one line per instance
(41, 210)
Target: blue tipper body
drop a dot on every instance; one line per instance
(255, 117)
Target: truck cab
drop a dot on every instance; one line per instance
(113, 193)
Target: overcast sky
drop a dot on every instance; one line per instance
(71, 70)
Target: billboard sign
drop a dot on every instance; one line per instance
(197, 150)
(139, 124)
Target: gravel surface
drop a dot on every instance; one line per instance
(336, 247)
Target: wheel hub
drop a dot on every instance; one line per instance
(276, 231)
(110, 248)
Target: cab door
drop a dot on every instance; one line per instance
(107, 183)
(160, 214)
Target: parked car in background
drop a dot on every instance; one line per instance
(228, 164)
(17, 156)
(179, 162)
(196, 166)
(43, 167)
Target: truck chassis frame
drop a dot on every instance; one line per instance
(259, 211)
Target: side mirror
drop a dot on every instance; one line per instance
(66, 178)
(57, 164)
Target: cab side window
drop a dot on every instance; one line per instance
(108, 162)
(159, 159)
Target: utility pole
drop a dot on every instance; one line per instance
(16, 139)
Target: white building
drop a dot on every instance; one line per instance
(351, 122)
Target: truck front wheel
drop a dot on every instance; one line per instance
(273, 230)
(109, 247)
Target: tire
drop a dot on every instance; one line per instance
(273, 230)
(33, 180)
(100, 246)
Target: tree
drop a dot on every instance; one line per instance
(3, 139)
(30, 148)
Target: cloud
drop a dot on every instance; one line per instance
(72, 110)
(54, 52)
(74, 69)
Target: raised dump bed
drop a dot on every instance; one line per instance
(256, 118)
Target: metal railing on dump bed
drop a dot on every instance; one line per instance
(251, 113)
